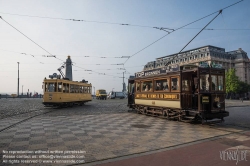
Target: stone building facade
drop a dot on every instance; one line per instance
(237, 59)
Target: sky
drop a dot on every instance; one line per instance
(41, 34)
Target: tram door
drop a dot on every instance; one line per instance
(131, 90)
(194, 91)
(189, 90)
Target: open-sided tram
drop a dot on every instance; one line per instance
(61, 92)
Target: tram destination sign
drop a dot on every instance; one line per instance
(156, 71)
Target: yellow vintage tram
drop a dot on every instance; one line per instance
(63, 92)
(184, 93)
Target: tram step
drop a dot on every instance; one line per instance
(189, 117)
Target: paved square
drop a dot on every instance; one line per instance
(103, 136)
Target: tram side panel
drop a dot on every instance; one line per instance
(58, 92)
(163, 100)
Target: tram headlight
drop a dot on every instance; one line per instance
(218, 105)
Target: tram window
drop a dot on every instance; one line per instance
(147, 86)
(89, 89)
(72, 89)
(80, 89)
(185, 85)
(204, 82)
(76, 88)
(59, 87)
(64, 88)
(46, 87)
(137, 86)
(161, 85)
(214, 83)
(131, 87)
(67, 88)
(174, 83)
(85, 89)
(220, 83)
(51, 87)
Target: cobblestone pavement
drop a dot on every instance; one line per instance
(103, 128)
(14, 106)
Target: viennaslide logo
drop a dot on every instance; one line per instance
(237, 154)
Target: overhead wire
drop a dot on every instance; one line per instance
(172, 30)
(81, 20)
(41, 46)
(181, 28)
(192, 39)
(27, 37)
(34, 56)
(103, 57)
(103, 22)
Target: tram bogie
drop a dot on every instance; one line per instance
(186, 93)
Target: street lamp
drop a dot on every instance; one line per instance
(18, 80)
(22, 90)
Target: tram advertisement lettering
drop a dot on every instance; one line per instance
(170, 96)
(153, 96)
(139, 74)
(158, 96)
(156, 71)
(149, 73)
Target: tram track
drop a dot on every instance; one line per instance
(21, 113)
(37, 112)
(25, 119)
